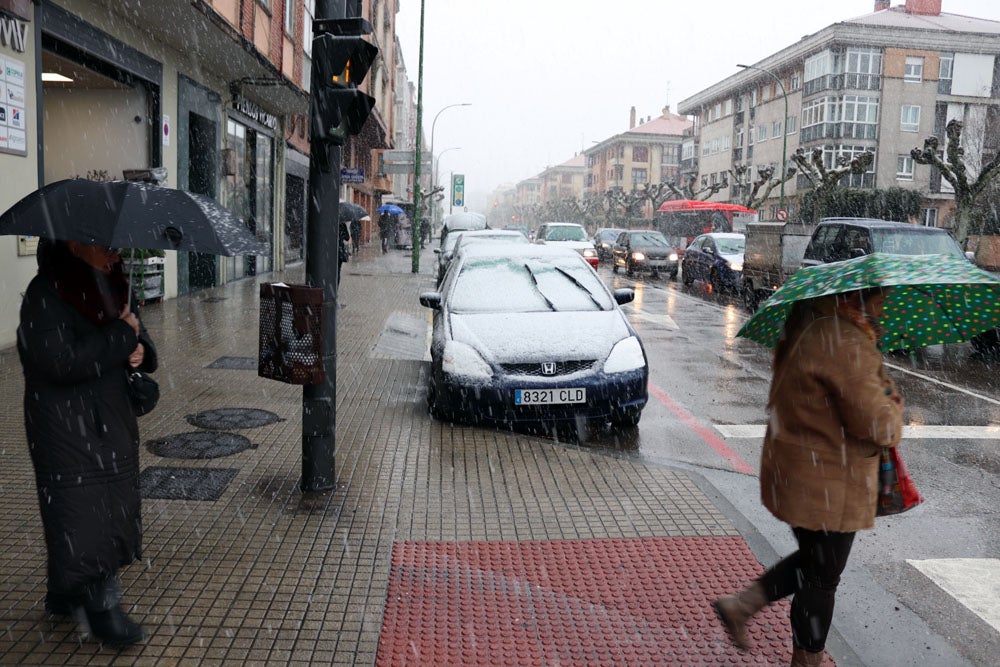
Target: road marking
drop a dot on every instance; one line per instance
(901, 369)
(704, 432)
(913, 431)
(661, 319)
(975, 582)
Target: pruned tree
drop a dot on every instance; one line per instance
(954, 169)
(686, 189)
(825, 180)
(656, 194)
(759, 190)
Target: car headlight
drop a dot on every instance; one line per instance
(463, 361)
(589, 253)
(673, 257)
(638, 256)
(735, 266)
(625, 356)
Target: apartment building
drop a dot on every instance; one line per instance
(215, 92)
(883, 82)
(563, 181)
(648, 152)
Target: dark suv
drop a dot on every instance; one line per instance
(836, 239)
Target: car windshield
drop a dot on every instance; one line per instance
(609, 235)
(910, 242)
(730, 246)
(468, 239)
(566, 233)
(530, 284)
(649, 239)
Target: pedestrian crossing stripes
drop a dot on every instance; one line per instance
(911, 432)
(975, 582)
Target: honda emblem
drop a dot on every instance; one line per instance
(549, 368)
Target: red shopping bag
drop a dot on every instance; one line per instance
(896, 490)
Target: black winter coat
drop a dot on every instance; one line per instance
(82, 434)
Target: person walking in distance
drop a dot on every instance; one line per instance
(832, 408)
(385, 226)
(77, 340)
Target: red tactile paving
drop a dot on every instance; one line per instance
(573, 602)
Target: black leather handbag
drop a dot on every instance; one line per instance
(143, 392)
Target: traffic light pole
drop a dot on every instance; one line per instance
(319, 401)
(415, 258)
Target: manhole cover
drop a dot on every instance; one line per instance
(224, 419)
(235, 363)
(185, 483)
(198, 445)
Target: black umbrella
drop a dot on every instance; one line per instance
(130, 214)
(351, 212)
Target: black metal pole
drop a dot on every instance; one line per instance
(319, 419)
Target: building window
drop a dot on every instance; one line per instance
(762, 132)
(640, 153)
(928, 217)
(715, 146)
(290, 18)
(688, 151)
(619, 172)
(910, 118)
(669, 155)
(914, 69)
(793, 124)
(567, 179)
(728, 108)
(860, 117)
(776, 129)
(738, 141)
(904, 168)
(945, 70)
(724, 143)
(795, 82)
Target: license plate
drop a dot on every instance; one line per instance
(658, 262)
(549, 396)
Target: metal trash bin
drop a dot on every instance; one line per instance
(291, 334)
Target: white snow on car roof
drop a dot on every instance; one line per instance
(525, 250)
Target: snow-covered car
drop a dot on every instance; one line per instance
(456, 241)
(567, 235)
(529, 333)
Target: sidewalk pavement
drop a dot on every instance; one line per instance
(440, 544)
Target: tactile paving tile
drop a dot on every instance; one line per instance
(573, 602)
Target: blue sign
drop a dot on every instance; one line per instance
(352, 175)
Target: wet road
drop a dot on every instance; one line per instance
(708, 390)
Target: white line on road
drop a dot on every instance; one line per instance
(661, 319)
(915, 432)
(944, 384)
(975, 582)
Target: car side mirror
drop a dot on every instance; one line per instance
(971, 256)
(710, 251)
(431, 300)
(624, 295)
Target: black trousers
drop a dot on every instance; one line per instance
(811, 575)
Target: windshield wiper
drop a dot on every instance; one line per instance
(576, 282)
(534, 281)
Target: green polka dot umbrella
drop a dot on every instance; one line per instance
(934, 298)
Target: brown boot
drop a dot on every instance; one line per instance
(736, 609)
(804, 658)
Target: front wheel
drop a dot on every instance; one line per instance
(686, 276)
(614, 265)
(715, 281)
(626, 418)
(673, 274)
(629, 271)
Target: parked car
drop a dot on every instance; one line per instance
(530, 333)
(644, 250)
(717, 258)
(456, 242)
(604, 241)
(446, 252)
(835, 239)
(519, 228)
(567, 235)
(465, 221)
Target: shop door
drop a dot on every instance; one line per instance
(201, 179)
(295, 215)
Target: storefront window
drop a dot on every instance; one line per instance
(250, 193)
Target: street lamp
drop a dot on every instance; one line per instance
(784, 129)
(434, 122)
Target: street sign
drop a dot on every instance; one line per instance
(396, 157)
(781, 215)
(404, 168)
(458, 190)
(352, 175)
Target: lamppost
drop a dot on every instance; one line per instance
(437, 165)
(434, 122)
(784, 128)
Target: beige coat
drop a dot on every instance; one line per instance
(829, 414)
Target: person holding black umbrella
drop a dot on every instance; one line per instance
(78, 340)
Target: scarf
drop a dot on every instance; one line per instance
(98, 296)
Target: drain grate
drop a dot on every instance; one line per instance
(198, 445)
(223, 419)
(185, 483)
(235, 363)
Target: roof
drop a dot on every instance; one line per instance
(668, 123)
(576, 161)
(897, 17)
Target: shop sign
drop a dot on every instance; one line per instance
(254, 111)
(19, 8)
(13, 114)
(12, 33)
(352, 175)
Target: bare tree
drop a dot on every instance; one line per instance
(759, 190)
(954, 169)
(824, 180)
(686, 189)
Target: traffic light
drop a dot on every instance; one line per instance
(340, 63)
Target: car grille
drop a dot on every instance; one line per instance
(537, 369)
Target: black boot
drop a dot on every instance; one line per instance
(61, 604)
(113, 627)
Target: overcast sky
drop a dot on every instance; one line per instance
(546, 78)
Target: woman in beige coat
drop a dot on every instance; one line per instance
(831, 410)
